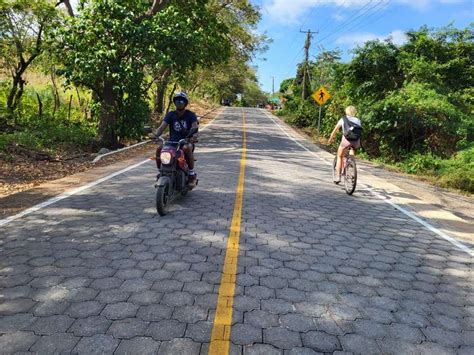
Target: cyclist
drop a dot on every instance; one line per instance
(180, 122)
(351, 133)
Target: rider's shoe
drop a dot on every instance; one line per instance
(337, 179)
(192, 181)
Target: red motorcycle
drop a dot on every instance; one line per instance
(174, 174)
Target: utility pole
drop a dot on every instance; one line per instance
(307, 44)
(273, 86)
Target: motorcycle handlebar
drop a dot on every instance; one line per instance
(163, 141)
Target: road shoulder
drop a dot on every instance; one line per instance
(451, 213)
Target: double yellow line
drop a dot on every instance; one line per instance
(220, 337)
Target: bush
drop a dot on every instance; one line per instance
(456, 172)
(415, 119)
(421, 164)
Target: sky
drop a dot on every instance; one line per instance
(343, 24)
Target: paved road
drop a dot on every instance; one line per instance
(318, 271)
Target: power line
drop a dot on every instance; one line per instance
(354, 19)
(360, 25)
(339, 12)
(366, 21)
(351, 16)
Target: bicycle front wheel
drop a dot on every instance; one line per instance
(350, 176)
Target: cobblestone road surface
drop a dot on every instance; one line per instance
(318, 271)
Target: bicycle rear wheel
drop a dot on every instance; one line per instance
(350, 176)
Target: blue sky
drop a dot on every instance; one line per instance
(344, 24)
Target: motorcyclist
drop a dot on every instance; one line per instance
(180, 122)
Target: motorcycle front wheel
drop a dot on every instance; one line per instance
(162, 199)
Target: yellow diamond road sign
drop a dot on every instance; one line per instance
(321, 95)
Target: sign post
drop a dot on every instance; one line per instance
(320, 96)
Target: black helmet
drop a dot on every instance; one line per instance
(181, 96)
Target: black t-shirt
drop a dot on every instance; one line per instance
(180, 126)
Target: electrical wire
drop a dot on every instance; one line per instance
(364, 22)
(359, 17)
(350, 17)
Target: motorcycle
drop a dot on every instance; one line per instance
(174, 174)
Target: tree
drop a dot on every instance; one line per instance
(108, 45)
(286, 86)
(374, 71)
(238, 19)
(22, 25)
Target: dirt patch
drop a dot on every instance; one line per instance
(25, 181)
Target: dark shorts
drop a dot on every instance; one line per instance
(346, 144)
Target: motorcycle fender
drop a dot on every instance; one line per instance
(163, 181)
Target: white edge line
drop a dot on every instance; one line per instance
(80, 189)
(425, 224)
(67, 194)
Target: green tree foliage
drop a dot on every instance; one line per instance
(107, 46)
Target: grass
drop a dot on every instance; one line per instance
(53, 132)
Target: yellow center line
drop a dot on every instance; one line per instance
(220, 337)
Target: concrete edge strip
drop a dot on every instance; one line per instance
(80, 189)
(99, 157)
(425, 224)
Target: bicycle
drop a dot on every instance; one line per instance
(348, 171)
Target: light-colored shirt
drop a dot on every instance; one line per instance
(350, 118)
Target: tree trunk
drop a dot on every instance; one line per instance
(69, 108)
(57, 101)
(40, 106)
(161, 85)
(170, 100)
(11, 95)
(16, 91)
(18, 96)
(108, 119)
(79, 100)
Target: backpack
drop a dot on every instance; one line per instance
(352, 131)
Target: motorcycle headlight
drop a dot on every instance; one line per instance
(165, 157)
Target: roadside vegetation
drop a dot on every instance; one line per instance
(415, 102)
(78, 79)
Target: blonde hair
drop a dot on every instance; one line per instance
(351, 111)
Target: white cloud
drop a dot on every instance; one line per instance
(337, 17)
(398, 37)
(351, 40)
